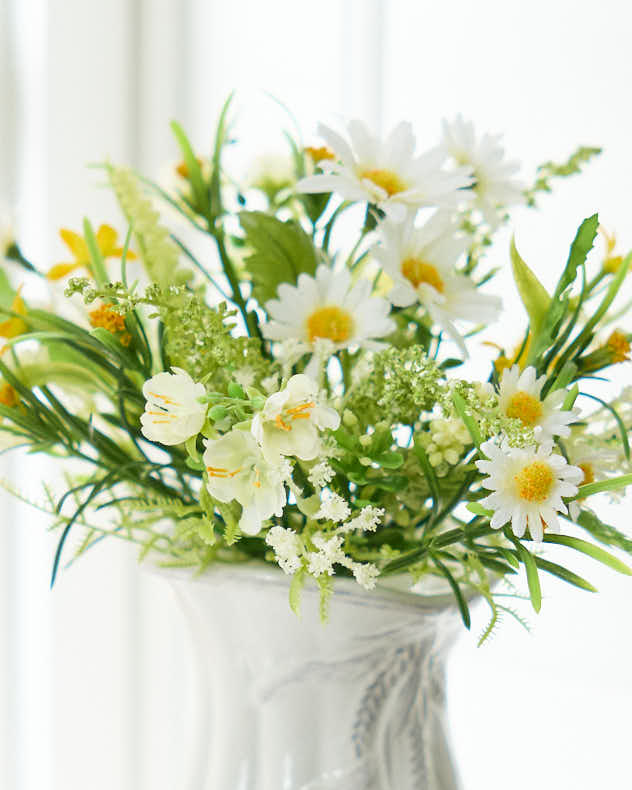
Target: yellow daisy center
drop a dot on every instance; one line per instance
(319, 153)
(390, 182)
(589, 472)
(331, 322)
(525, 408)
(417, 272)
(534, 481)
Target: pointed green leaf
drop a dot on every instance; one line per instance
(461, 602)
(280, 251)
(534, 295)
(596, 552)
(564, 573)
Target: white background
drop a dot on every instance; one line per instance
(93, 677)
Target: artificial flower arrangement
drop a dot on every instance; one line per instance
(292, 396)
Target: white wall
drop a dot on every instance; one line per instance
(90, 684)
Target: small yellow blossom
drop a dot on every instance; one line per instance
(619, 346)
(611, 262)
(8, 396)
(105, 317)
(15, 326)
(106, 238)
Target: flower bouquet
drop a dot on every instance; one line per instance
(276, 384)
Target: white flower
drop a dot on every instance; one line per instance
(366, 521)
(387, 172)
(494, 186)
(421, 262)
(287, 548)
(519, 397)
(290, 421)
(328, 307)
(365, 574)
(320, 474)
(334, 508)
(173, 412)
(238, 471)
(528, 485)
(329, 551)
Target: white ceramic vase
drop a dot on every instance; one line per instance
(292, 704)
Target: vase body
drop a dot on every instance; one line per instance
(292, 704)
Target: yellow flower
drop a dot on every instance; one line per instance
(110, 320)
(611, 262)
(619, 346)
(8, 396)
(106, 238)
(15, 326)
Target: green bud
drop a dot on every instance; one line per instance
(235, 390)
(218, 413)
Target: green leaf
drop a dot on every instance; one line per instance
(604, 533)
(611, 484)
(296, 589)
(479, 510)
(390, 460)
(430, 475)
(468, 420)
(97, 263)
(195, 177)
(596, 552)
(280, 252)
(564, 573)
(529, 562)
(582, 244)
(534, 295)
(461, 602)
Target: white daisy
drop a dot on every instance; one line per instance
(328, 307)
(173, 412)
(387, 173)
(528, 485)
(291, 420)
(238, 471)
(519, 397)
(494, 186)
(421, 262)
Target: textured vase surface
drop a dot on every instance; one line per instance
(292, 704)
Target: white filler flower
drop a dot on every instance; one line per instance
(238, 471)
(494, 185)
(387, 172)
(173, 412)
(528, 485)
(290, 421)
(328, 307)
(421, 262)
(519, 397)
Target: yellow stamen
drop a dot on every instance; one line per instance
(619, 346)
(589, 472)
(282, 426)
(525, 408)
(534, 482)
(332, 322)
(220, 471)
(390, 182)
(319, 154)
(164, 398)
(417, 272)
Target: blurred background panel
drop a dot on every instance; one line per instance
(97, 682)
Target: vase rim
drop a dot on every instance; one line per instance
(393, 591)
